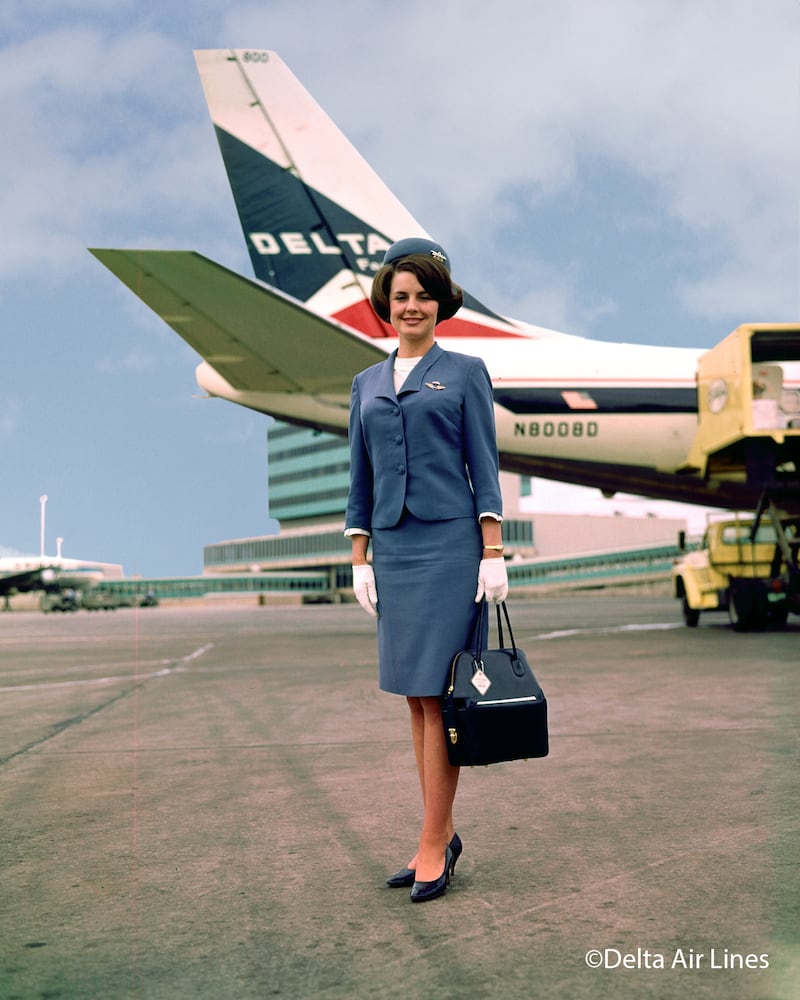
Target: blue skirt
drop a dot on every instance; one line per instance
(426, 575)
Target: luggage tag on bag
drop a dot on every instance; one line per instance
(480, 681)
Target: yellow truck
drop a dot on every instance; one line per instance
(745, 566)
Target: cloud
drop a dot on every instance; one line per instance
(9, 418)
(103, 135)
(7, 553)
(467, 109)
(479, 118)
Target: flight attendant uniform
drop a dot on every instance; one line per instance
(423, 470)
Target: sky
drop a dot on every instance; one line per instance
(622, 170)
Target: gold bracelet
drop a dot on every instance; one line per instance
(494, 548)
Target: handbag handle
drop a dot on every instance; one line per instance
(477, 648)
(500, 627)
(516, 664)
(477, 645)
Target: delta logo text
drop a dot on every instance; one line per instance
(362, 250)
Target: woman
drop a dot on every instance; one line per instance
(424, 489)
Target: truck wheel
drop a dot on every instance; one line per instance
(747, 607)
(690, 615)
(740, 608)
(778, 616)
(760, 607)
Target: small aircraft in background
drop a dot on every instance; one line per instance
(61, 581)
(317, 220)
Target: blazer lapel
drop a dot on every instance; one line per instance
(385, 383)
(413, 382)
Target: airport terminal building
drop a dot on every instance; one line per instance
(304, 556)
(308, 477)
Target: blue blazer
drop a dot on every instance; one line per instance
(431, 448)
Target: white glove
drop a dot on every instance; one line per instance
(364, 588)
(492, 581)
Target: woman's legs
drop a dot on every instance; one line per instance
(438, 781)
(418, 738)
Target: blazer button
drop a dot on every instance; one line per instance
(401, 469)
(398, 439)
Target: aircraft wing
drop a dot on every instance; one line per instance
(21, 581)
(256, 337)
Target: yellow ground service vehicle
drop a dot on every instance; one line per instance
(746, 566)
(748, 413)
(748, 437)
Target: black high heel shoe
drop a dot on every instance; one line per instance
(424, 891)
(456, 847)
(405, 877)
(402, 878)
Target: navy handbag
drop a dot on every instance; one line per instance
(493, 708)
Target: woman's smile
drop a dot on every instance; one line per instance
(412, 311)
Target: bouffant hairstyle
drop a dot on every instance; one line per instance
(434, 278)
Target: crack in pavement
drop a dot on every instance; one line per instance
(59, 727)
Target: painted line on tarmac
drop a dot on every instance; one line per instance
(65, 724)
(609, 630)
(198, 652)
(170, 667)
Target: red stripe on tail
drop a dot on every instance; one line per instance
(360, 316)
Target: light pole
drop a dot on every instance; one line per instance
(59, 543)
(43, 502)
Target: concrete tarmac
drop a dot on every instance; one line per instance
(205, 802)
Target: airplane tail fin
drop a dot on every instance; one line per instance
(317, 219)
